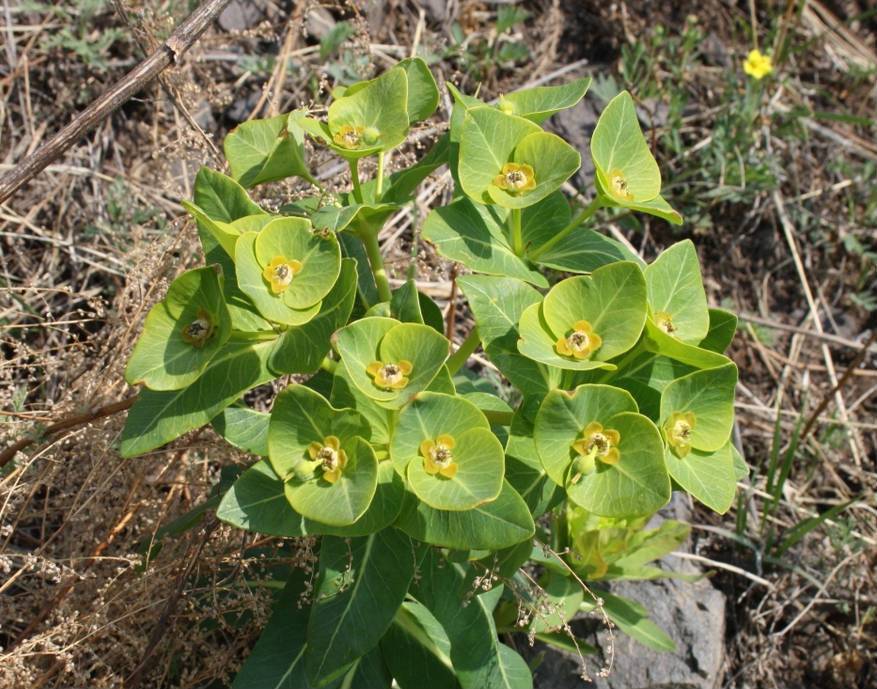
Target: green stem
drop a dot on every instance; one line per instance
(329, 365)
(623, 363)
(373, 249)
(380, 179)
(515, 227)
(566, 379)
(589, 210)
(354, 175)
(498, 418)
(456, 361)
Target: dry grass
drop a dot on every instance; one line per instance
(89, 245)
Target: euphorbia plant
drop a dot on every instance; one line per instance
(421, 482)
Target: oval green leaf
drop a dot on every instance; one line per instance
(474, 235)
(317, 252)
(494, 525)
(677, 300)
(379, 105)
(618, 148)
(488, 139)
(539, 103)
(707, 476)
(430, 415)
(266, 150)
(252, 283)
(552, 160)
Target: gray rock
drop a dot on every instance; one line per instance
(576, 125)
(436, 10)
(692, 613)
(239, 15)
(318, 22)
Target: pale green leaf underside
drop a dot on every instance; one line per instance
(708, 476)
(499, 524)
(473, 235)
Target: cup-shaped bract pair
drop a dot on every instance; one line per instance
(585, 321)
(697, 414)
(444, 446)
(677, 300)
(286, 269)
(266, 150)
(594, 442)
(373, 116)
(627, 173)
(388, 361)
(510, 161)
(322, 454)
(182, 333)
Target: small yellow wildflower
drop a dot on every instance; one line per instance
(390, 376)
(349, 136)
(665, 322)
(677, 430)
(596, 444)
(438, 456)
(618, 186)
(580, 343)
(757, 65)
(199, 330)
(332, 458)
(279, 273)
(515, 177)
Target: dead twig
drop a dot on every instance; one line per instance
(826, 399)
(167, 54)
(65, 424)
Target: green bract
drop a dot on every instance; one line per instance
(369, 118)
(390, 343)
(677, 301)
(583, 322)
(418, 477)
(308, 261)
(627, 174)
(494, 146)
(262, 151)
(182, 333)
(540, 103)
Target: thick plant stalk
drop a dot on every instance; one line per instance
(515, 226)
(168, 53)
(591, 208)
(373, 249)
